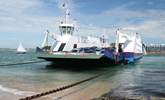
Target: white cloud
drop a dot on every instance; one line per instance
(17, 6)
(153, 29)
(15, 18)
(150, 23)
(16, 24)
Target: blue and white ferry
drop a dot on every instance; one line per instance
(69, 49)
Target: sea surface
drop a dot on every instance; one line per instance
(145, 78)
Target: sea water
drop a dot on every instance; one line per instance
(145, 78)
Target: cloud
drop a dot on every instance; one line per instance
(20, 22)
(20, 18)
(150, 23)
(17, 6)
(15, 17)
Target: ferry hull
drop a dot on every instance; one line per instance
(76, 60)
(80, 62)
(131, 57)
(107, 59)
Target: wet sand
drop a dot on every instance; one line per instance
(85, 91)
(92, 90)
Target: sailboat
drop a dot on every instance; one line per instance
(21, 49)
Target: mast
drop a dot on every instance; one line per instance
(47, 38)
(67, 13)
(66, 28)
(135, 42)
(117, 41)
(45, 42)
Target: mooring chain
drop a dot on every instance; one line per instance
(59, 89)
(28, 62)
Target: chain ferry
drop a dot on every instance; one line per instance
(68, 49)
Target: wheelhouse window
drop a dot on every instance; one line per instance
(66, 30)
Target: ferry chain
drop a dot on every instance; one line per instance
(59, 89)
(22, 63)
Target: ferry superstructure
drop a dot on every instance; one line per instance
(66, 40)
(131, 44)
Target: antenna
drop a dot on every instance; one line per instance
(47, 34)
(67, 12)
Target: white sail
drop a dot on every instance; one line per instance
(21, 49)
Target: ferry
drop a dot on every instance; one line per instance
(71, 50)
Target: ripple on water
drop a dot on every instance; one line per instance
(145, 78)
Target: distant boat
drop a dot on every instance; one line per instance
(21, 49)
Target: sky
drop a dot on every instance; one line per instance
(26, 21)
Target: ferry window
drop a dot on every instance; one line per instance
(61, 46)
(66, 30)
(63, 29)
(72, 29)
(75, 46)
(69, 30)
